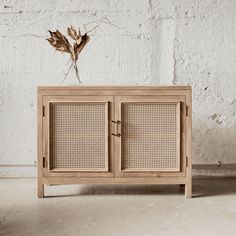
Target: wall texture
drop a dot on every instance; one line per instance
(138, 42)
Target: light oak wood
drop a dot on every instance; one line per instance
(178, 141)
(114, 90)
(39, 146)
(56, 172)
(167, 181)
(113, 97)
(162, 99)
(188, 185)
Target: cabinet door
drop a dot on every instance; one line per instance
(76, 135)
(150, 141)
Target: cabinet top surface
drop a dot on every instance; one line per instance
(115, 87)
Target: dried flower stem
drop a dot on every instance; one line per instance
(77, 72)
(68, 71)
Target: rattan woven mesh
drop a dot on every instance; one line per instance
(77, 135)
(149, 136)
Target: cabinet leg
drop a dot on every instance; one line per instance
(188, 190)
(40, 190)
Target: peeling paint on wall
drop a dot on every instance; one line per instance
(219, 119)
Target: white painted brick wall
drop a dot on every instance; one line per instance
(155, 42)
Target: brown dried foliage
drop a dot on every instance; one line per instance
(61, 43)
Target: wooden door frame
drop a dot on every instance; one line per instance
(46, 172)
(165, 99)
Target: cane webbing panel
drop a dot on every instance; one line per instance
(149, 140)
(77, 136)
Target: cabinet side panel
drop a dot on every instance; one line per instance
(39, 143)
(188, 186)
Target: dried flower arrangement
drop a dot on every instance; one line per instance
(61, 43)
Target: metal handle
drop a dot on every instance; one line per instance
(118, 134)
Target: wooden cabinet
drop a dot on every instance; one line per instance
(114, 135)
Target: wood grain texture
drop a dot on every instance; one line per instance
(154, 100)
(188, 186)
(79, 172)
(40, 145)
(63, 180)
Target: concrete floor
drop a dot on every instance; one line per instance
(118, 210)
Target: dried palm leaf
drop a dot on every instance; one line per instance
(59, 41)
(79, 47)
(75, 35)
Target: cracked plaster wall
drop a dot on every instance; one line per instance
(151, 42)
